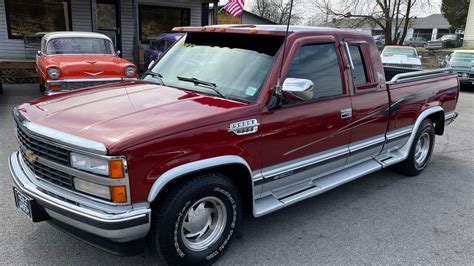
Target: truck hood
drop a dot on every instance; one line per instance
(129, 113)
(89, 66)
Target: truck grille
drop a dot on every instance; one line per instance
(46, 151)
(83, 84)
(42, 149)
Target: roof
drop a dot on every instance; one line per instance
(74, 34)
(430, 22)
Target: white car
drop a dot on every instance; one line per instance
(400, 56)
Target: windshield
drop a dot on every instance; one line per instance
(463, 58)
(236, 65)
(79, 45)
(399, 51)
(449, 37)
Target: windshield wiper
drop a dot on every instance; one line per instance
(157, 76)
(197, 82)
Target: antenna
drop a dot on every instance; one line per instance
(279, 83)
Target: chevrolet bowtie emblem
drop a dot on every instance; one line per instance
(30, 156)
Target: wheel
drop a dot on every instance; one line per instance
(420, 151)
(197, 220)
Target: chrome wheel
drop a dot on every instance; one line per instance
(422, 149)
(203, 223)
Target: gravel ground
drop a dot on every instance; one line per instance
(383, 218)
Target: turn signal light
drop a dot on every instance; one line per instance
(55, 87)
(119, 194)
(116, 169)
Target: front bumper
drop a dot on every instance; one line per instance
(65, 85)
(121, 226)
(450, 117)
(467, 80)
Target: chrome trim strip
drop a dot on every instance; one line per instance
(418, 75)
(60, 81)
(59, 136)
(397, 133)
(188, 168)
(364, 144)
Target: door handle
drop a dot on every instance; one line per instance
(346, 113)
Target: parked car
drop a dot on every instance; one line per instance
(446, 41)
(178, 156)
(379, 41)
(401, 56)
(416, 42)
(462, 62)
(72, 60)
(159, 45)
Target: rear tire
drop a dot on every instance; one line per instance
(420, 151)
(196, 220)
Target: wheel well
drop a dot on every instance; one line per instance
(239, 174)
(438, 120)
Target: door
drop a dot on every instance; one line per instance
(108, 21)
(306, 139)
(369, 104)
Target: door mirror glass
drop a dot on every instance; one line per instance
(298, 89)
(151, 64)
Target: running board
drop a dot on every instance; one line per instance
(270, 203)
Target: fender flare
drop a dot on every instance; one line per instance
(191, 167)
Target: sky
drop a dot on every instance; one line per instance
(418, 11)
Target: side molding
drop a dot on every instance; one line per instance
(187, 168)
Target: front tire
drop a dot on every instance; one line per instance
(420, 151)
(196, 220)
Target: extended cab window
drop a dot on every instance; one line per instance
(318, 63)
(233, 66)
(359, 74)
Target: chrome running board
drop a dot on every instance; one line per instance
(271, 203)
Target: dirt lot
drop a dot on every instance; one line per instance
(383, 218)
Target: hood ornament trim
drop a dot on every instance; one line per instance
(244, 127)
(93, 74)
(91, 61)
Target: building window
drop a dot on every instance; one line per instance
(155, 20)
(28, 17)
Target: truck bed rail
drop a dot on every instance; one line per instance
(420, 75)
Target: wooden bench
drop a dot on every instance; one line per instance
(13, 71)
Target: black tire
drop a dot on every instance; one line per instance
(168, 238)
(417, 162)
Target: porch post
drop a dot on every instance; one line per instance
(215, 11)
(136, 37)
(95, 26)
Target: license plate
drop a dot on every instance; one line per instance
(22, 202)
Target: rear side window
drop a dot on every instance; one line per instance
(318, 63)
(359, 72)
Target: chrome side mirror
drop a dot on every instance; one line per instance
(150, 65)
(117, 53)
(38, 53)
(298, 89)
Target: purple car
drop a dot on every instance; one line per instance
(159, 45)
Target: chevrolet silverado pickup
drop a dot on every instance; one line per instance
(230, 119)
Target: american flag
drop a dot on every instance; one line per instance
(235, 7)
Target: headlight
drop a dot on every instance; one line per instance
(54, 72)
(92, 188)
(130, 71)
(90, 164)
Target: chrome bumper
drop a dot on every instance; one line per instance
(72, 84)
(121, 226)
(450, 117)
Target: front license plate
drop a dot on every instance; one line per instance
(22, 202)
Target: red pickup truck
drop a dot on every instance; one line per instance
(213, 130)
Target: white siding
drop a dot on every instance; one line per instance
(127, 19)
(81, 15)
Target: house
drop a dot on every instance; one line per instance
(469, 33)
(127, 22)
(431, 27)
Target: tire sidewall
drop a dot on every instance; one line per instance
(427, 127)
(172, 235)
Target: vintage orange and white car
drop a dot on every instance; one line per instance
(73, 60)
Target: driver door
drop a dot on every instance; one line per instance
(308, 138)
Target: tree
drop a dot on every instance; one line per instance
(455, 11)
(392, 16)
(276, 11)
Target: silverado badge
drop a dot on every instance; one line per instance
(244, 127)
(30, 156)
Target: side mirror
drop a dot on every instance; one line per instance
(38, 53)
(298, 89)
(150, 65)
(117, 53)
